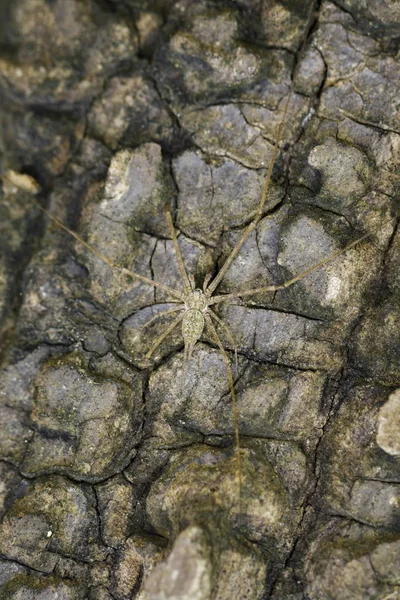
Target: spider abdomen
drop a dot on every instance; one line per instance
(192, 326)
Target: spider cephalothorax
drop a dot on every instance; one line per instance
(196, 299)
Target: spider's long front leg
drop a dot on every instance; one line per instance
(235, 251)
(289, 282)
(251, 227)
(225, 357)
(105, 259)
(186, 280)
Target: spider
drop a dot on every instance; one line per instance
(194, 305)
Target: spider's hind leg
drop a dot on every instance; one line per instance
(226, 360)
(228, 332)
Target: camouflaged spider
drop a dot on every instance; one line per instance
(194, 304)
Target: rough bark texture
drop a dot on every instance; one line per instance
(117, 479)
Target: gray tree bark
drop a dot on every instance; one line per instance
(118, 473)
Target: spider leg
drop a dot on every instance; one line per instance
(289, 282)
(109, 262)
(251, 227)
(228, 332)
(192, 281)
(233, 396)
(164, 313)
(187, 281)
(206, 281)
(162, 337)
(235, 251)
(187, 355)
